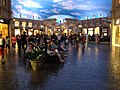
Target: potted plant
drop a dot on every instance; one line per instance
(36, 57)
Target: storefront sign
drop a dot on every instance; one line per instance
(4, 21)
(1, 20)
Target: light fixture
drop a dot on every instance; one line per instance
(118, 21)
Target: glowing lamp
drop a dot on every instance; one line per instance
(118, 21)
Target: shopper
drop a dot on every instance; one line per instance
(2, 44)
(24, 41)
(13, 41)
(7, 42)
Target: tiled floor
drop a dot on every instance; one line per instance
(95, 67)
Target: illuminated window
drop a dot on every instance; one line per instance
(119, 1)
(97, 30)
(84, 31)
(90, 31)
(23, 24)
(30, 24)
(16, 24)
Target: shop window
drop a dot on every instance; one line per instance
(4, 30)
(17, 32)
(84, 31)
(97, 30)
(30, 32)
(16, 24)
(90, 31)
(30, 24)
(23, 24)
(104, 32)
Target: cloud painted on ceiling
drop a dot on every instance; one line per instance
(44, 9)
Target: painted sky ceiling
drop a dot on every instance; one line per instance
(60, 9)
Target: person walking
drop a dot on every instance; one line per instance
(13, 41)
(83, 40)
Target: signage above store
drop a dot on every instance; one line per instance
(4, 21)
(1, 20)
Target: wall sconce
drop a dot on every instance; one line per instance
(118, 21)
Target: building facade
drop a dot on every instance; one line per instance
(91, 27)
(5, 17)
(100, 26)
(116, 23)
(32, 27)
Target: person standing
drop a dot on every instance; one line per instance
(86, 38)
(38, 39)
(13, 41)
(59, 38)
(19, 42)
(97, 39)
(2, 44)
(7, 42)
(83, 40)
(24, 41)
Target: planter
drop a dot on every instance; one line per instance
(35, 64)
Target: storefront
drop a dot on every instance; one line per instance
(84, 31)
(4, 27)
(90, 31)
(104, 32)
(116, 33)
(30, 29)
(97, 31)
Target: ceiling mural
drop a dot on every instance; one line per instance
(60, 9)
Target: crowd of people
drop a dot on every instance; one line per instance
(53, 42)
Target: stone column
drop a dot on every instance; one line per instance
(46, 29)
(10, 31)
(113, 33)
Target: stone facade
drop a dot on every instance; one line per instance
(91, 27)
(32, 26)
(5, 9)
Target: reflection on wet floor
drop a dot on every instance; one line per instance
(93, 67)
